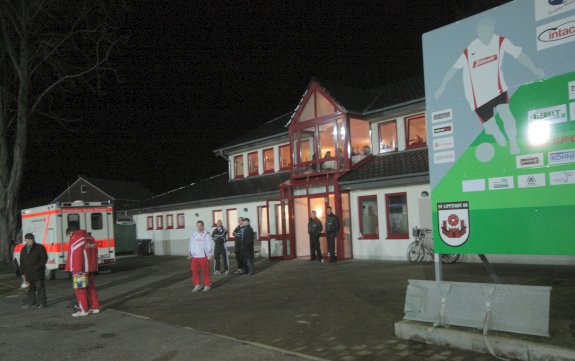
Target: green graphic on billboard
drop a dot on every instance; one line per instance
(500, 101)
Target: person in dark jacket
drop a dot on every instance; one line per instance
(238, 245)
(314, 228)
(219, 237)
(331, 228)
(247, 237)
(33, 260)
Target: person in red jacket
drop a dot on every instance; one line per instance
(82, 262)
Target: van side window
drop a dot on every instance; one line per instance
(74, 219)
(96, 219)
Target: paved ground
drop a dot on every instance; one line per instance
(338, 312)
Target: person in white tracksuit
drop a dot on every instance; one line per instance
(200, 253)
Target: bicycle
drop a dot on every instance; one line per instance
(422, 247)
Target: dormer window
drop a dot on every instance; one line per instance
(388, 136)
(415, 131)
(253, 163)
(239, 166)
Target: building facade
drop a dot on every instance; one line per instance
(362, 152)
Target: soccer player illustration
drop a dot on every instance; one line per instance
(483, 82)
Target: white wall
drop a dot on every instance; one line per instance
(396, 249)
(383, 248)
(175, 241)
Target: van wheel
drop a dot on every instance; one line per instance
(50, 274)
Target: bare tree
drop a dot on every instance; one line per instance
(50, 50)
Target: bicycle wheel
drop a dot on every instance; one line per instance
(450, 258)
(415, 252)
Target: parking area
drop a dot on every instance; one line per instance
(342, 311)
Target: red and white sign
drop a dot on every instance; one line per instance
(454, 225)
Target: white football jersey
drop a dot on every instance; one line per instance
(482, 76)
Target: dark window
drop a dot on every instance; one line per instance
(74, 220)
(397, 225)
(83, 188)
(368, 217)
(96, 220)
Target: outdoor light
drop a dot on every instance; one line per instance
(245, 209)
(424, 194)
(197, 215)
(538, 132)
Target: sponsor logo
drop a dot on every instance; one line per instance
(473, 185)
(444, 157)
(552, 115)
(572, 111)
(442, 129)
(560, 178)
(499, 183)
(561, 156)
(571, 88)
(454, 222)
(483, 61)
(443, 143)
(545, 9)
(556, 33)
(564, 139)
(531, 180)
(442, 115)
(529, 160)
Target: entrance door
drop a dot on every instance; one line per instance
(280, 245)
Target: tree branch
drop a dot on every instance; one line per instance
(96, 66)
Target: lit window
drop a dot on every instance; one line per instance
(397, 226)
(170, 221)
(217, 215)
(253, 163)
(232, 220)
(388, 137)
(285, 157)
(149, 223)
(159, 222)
(268, 160)
(368, 217)
(416, 136)
(239, 166)
(181, 220)
(263, 230)
(360, 139)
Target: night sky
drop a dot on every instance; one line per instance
(195, 74)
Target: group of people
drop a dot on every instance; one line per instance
(81, 262)
(201, 252)
(315, 227)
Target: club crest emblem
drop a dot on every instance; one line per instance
(454, 225)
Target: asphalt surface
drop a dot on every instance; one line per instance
(288, 310)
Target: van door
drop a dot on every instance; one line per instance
(97, 226)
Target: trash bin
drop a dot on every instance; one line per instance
(143, 247)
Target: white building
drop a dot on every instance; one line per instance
(362, 152)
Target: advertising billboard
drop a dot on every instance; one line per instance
(500, 98)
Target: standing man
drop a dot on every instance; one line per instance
(331, 228)
(200, 253)
(247, 236)
(82, 262)
(238, 245)
(219, 237)
(33, 260)
(314, 228)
